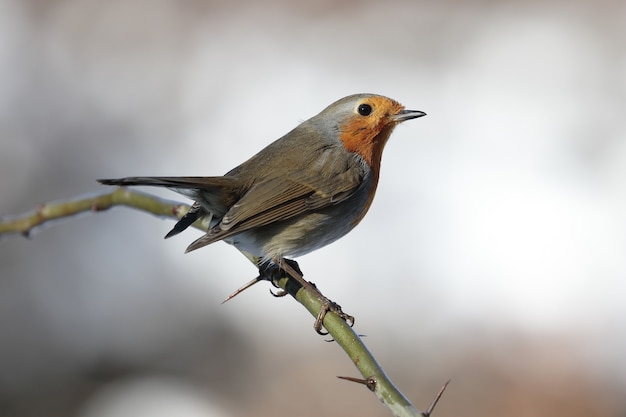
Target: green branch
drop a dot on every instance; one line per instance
(374, 378)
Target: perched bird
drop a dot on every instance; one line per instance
(300, 193)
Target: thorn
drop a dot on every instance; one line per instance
(242, 288)
(370, 382)
(433, 404)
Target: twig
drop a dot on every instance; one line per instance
(375, 378)
(48, 213)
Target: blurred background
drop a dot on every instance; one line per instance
(494, 253)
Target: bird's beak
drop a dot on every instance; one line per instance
(403, 115)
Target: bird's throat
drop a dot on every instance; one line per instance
(369, 145)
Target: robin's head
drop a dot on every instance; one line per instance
(364, 123)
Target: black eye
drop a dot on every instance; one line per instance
(364, 109)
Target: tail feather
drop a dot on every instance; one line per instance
(213, 195)
(172, 182)
(195, 212)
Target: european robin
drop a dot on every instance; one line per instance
(300, 193)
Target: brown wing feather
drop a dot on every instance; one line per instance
(281, 199)
(270, 195)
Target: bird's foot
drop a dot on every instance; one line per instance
(274, 272)
(329, 305)
(291, 268)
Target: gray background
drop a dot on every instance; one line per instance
(493, 253)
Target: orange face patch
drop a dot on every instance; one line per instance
(366, 133)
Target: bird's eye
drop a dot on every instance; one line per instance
(364, 109)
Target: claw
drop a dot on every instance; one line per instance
(278, 294)
(319, 321)
(328, 305)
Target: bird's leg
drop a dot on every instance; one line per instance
(274, 271)
(291, 268)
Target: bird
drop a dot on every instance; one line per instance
(301, 192)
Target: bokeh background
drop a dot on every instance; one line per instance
(494, 253)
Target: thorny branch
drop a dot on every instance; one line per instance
(375, 378)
